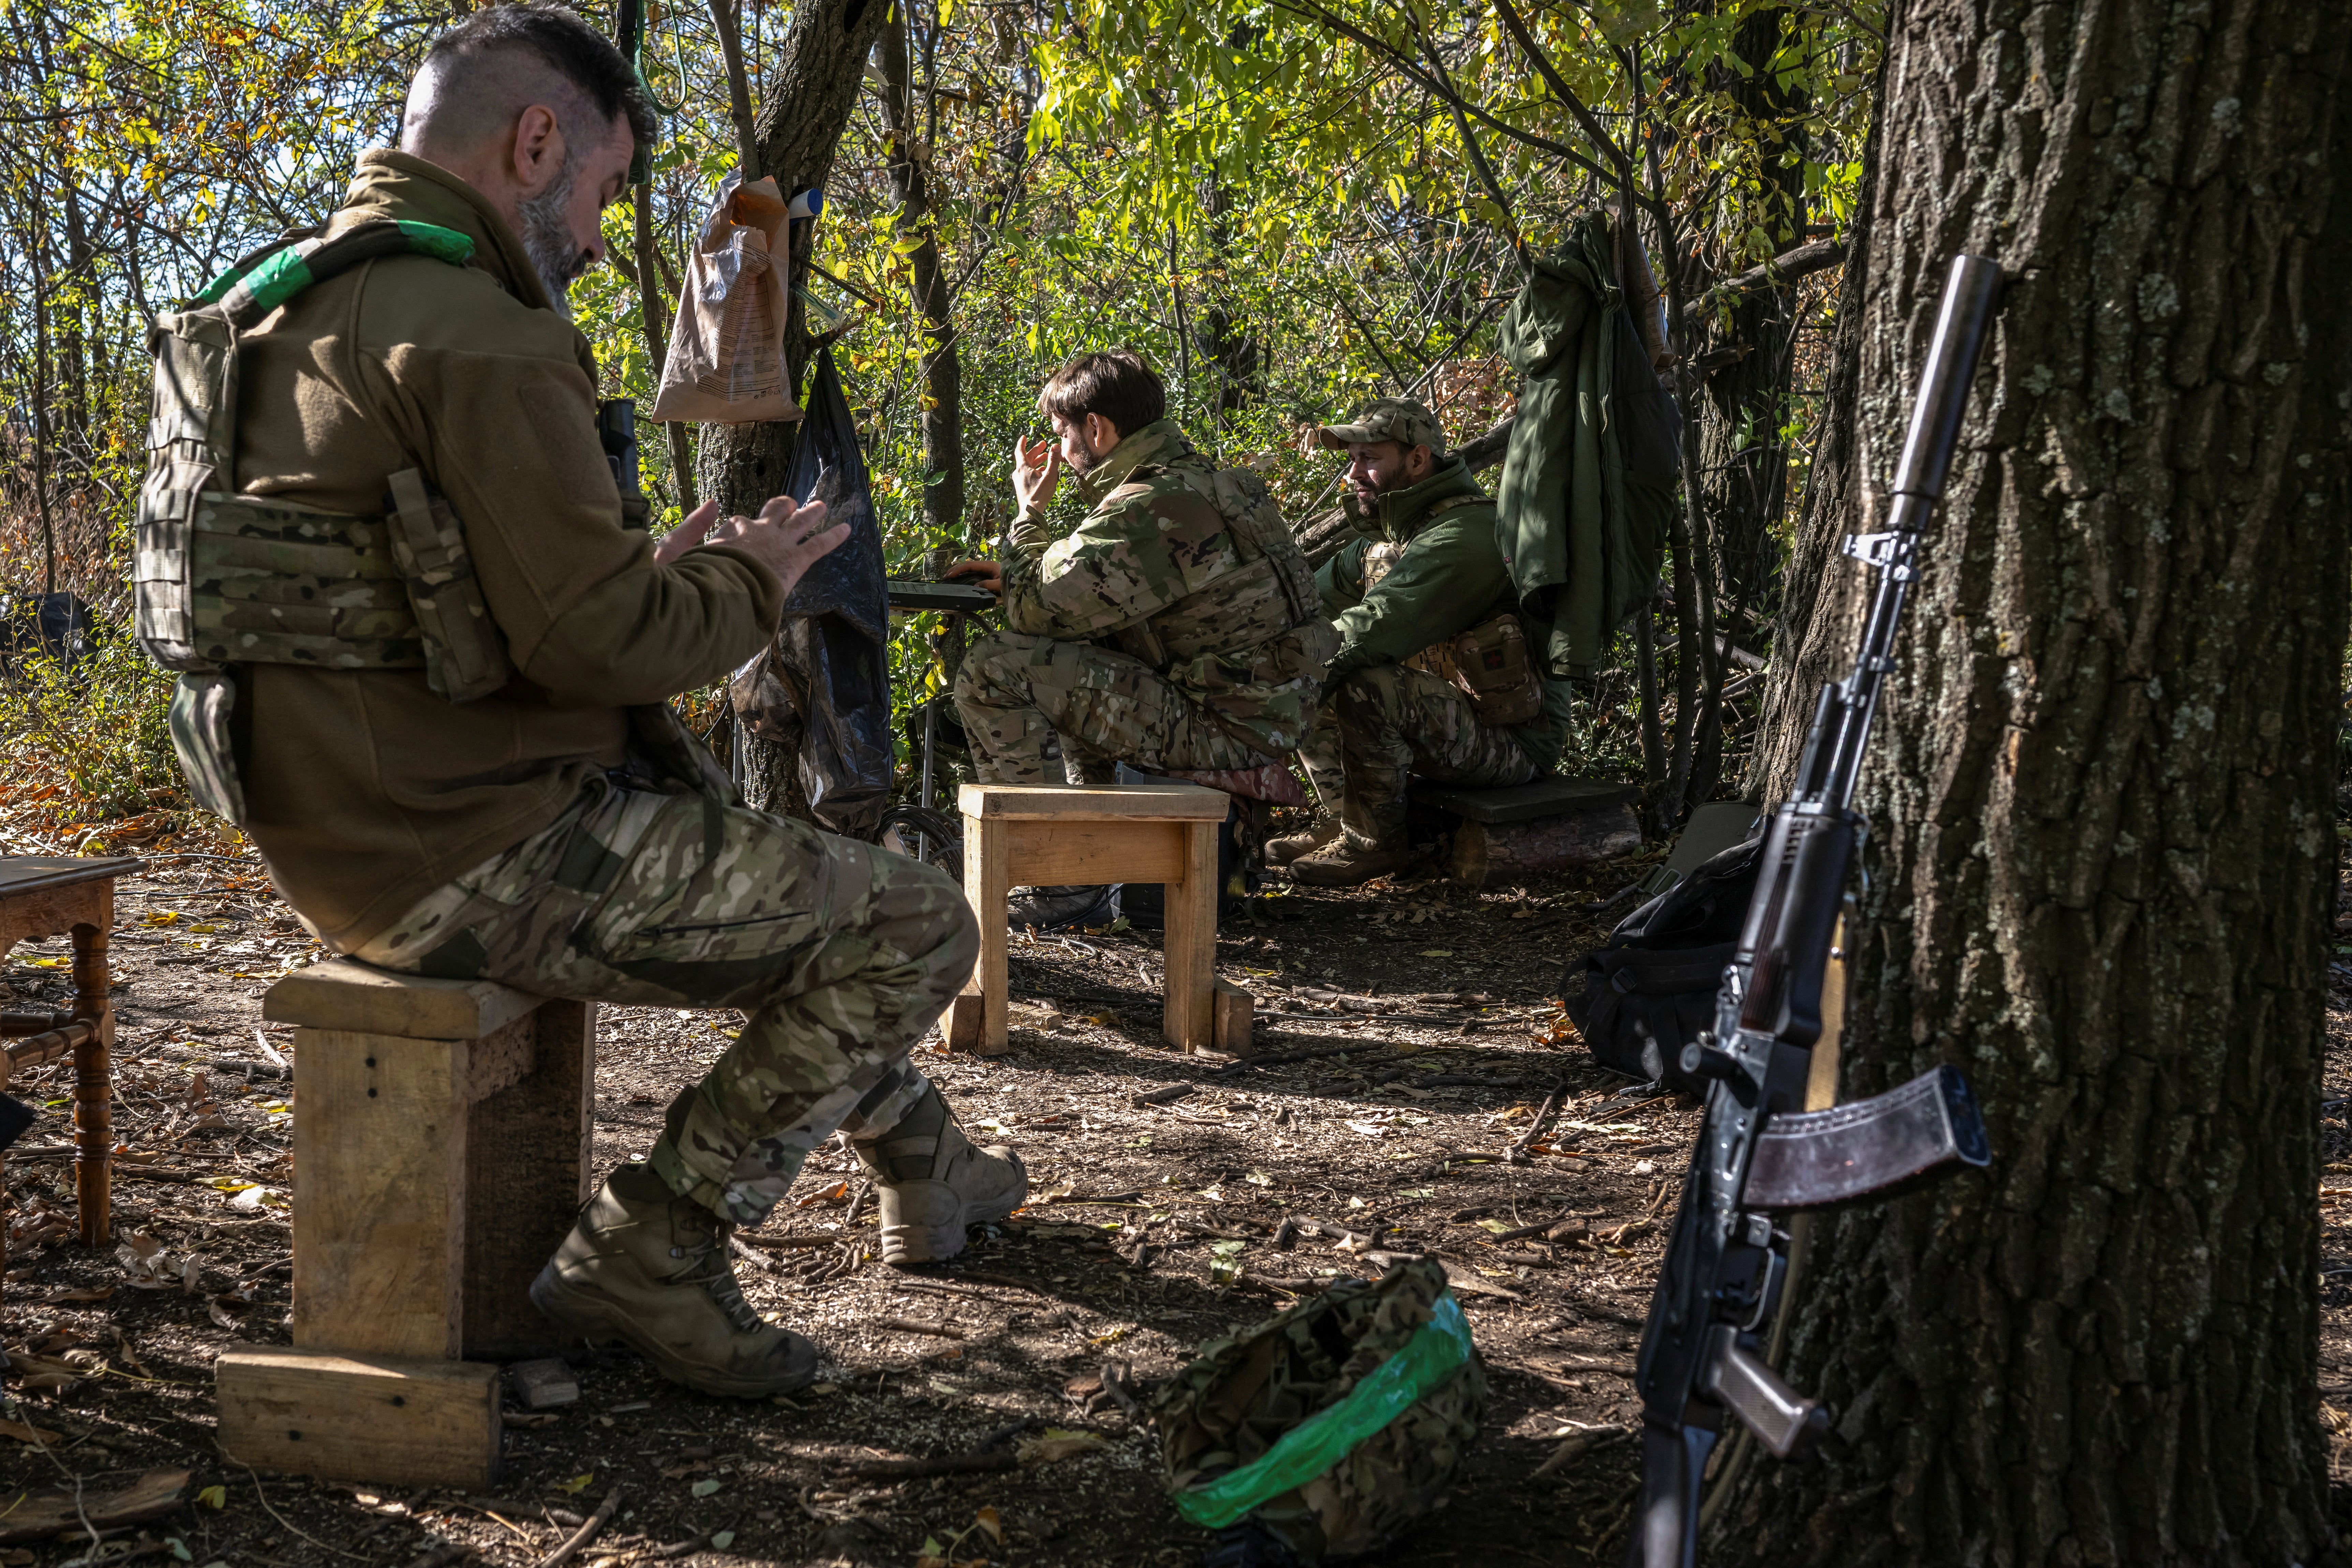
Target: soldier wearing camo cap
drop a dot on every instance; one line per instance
(1404, 696)
(467, 767)
(1177, 625)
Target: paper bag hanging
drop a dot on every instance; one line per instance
(726, 363)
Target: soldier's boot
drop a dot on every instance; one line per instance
(1350, 863)
(646, 1268)
(1061, 908)
(933, 1184)
(1282, 851)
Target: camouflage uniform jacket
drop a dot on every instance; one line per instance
(1188, 570)
(1448, 576)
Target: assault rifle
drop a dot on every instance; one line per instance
(1759, 1153)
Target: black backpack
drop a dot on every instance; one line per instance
(1650, 989)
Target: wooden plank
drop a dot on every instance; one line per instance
(379, 1182)
(527, 1174)
(46, 913)
(1061, 854)
(342, 995)
(967, 1022)
(1189, 942)
(503, 1057)
(25, 873)
(384, 1419)
(987, 887)
(1236, 1011)
(1180, 802)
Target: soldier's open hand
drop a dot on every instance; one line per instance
(786, 537)
(1036, 469)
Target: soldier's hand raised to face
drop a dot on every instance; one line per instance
(786, 538)
(1036, 469)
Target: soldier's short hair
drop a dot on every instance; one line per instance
(1118, 384)
(471, 102)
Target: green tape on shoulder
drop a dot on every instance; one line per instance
(1324, 1439)
(442, 244)
(278, 279)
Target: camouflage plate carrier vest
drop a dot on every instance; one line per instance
(1267, 610)
(223, 579)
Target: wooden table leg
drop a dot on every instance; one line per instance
(93, 1089)
(1190, 911)
(988, 887)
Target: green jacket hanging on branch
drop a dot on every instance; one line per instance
(1589, 479)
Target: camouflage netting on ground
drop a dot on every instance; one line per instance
(1246, 1392)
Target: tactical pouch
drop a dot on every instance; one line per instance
(465, 655)
(1489, 664)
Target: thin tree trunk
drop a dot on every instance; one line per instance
(726, 18)
(2101, 864)
(653, 312)
(1742, 466)
(943, 400)
(812, 91)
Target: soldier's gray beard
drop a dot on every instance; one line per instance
(547, 240)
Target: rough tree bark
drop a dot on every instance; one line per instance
(813, 87)
(2101, 858)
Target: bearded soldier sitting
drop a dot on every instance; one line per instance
(1434, 675)
(425, 664)
(1176, 628)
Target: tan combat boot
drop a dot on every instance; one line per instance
(1282, 851)
(652, 1273)
(933, 1184)
(1348, 864)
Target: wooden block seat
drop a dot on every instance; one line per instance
(441, 1153)
(1039, 835)
(1504, 835)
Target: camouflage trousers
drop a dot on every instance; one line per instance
(1387, 721)
(842, 954)
(1017, 691)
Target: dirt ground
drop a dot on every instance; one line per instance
(1407, 1036)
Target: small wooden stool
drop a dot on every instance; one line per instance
(1037, 835)
(49, 895)
(441, 1135)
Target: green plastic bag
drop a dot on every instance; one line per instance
(1333, 1426)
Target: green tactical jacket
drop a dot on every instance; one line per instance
(1189, 569)
(1588, 485)
(1449, 578)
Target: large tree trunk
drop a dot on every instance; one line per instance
(815, 85)
(2101, 863)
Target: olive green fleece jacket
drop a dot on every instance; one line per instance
(366, 790)
(1449, 578)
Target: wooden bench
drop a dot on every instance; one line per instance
(71, 896)
(441, 1153)
(1040, 835)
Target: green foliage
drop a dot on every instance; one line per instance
(1289, 206)
(98, 730)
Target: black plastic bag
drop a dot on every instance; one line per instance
(831, 649)
(1648, 991)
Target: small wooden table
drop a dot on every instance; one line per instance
(52, 895)
(1037, 835)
